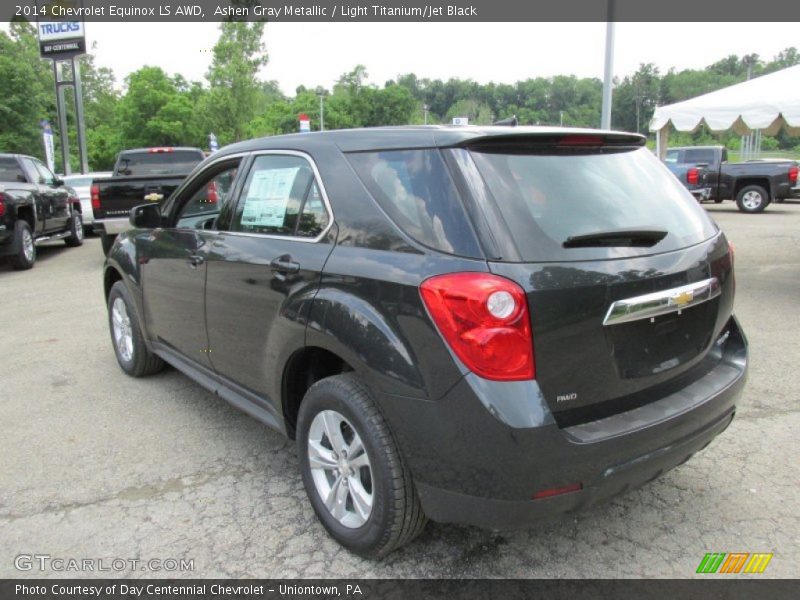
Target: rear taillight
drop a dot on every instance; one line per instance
(692, 176)
(160, 150)
(793, 174)
(95, 197)
(2, 205)
(484, 319)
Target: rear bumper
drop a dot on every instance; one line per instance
(470, 467)
(446, 506)
(701, 193)
(111, 226)
(86, 211)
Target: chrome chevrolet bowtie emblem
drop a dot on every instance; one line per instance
(154, 197)
(681, 299)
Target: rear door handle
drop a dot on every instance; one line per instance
(284, 264)
(196, 260)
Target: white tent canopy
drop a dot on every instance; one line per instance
(767, 103)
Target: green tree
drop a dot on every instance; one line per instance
(232, 101)
(28, 91)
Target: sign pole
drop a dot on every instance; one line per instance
(78, 91)
(61, 109)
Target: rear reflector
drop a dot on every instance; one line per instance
(549, 493)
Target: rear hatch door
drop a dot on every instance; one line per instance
(629, 283)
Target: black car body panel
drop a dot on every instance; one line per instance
(610, 407)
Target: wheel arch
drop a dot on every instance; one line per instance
(303, 369)
(743, 182)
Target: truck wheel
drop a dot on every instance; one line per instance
(25, 255)
(126, 335)
(106, 241)
(75, 231)
(752, 199)
(352, 469)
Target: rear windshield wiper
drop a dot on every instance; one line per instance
(621, 237)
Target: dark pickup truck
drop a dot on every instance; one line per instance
(35, 207)
(140, 175)
(707, 174)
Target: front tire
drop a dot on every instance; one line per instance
(352, 469)
(752, 199)
(75, 238)
(25, 255)
(126, 335)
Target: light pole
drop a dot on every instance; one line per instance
(425, 109)
(605, 117)
(321, 94)
(561, 118)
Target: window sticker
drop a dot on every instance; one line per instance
(268, 196)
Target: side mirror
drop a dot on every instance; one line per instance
(145, 216)
(57, 182)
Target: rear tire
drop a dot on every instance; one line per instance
(75, 238)
(25, 255)
(126, 335)
(752, 199)
(106, 241)
(343, 405)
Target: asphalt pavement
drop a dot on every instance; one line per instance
(96, 465)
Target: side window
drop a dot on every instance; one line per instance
(11, 171)
(416, 191)
(281, 197)
(203, 207)
(314, 218)
(47, 177)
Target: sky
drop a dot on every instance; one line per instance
(318, 53)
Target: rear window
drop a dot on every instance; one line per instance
(700, 155)
(11, 171)
(546, 199)
(415, 189)
(178, 162)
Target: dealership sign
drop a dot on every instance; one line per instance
(61, 39)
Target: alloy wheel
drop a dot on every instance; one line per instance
(340, 468)
(123, 335)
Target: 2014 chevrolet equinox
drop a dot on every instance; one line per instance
(472, 325)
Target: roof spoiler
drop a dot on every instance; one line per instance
(511, 121)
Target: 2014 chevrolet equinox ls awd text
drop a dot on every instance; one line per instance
(471, 325)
